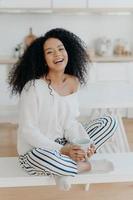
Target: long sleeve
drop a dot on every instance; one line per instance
(73, 128)
(29, 124)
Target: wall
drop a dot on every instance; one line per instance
(13, 27)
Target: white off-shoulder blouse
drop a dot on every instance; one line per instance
(45, 116)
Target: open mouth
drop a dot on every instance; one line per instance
(58, 61)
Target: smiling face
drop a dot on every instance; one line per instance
(55, 55)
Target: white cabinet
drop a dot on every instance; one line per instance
(13, 5)
(110, 3)
(115, 74)
(25, 3)
(115, 71)
(69, 3)
(43, 3)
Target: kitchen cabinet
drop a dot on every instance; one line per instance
(114, 73)
(25, 4)
(43, 4)
(70, 4)
(110, 4)
(36, 6)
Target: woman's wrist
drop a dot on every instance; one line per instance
(65, 150)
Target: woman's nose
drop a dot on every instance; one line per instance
(57, 53)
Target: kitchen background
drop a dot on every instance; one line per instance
(14, 27)
(105, 33)
(110, 20)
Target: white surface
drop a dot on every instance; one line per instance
(11, 175)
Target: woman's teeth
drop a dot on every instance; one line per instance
(58, 61)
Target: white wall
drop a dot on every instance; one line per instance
(13, 27)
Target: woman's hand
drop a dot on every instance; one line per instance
(74, 152)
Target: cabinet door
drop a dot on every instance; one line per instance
(69, 3)
(110, 3)
(25, 3)
(117, 77)
(111, 71)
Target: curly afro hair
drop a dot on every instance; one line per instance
(32, 64)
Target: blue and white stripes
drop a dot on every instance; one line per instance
(101, 129)
(47, 162)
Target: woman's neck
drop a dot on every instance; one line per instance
(56, 78)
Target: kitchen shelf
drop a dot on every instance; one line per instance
(112, 58)
(11, 60)
(108, 11)
(7, 60)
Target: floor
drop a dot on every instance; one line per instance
(120, 191)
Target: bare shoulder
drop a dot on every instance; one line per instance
(73, 82)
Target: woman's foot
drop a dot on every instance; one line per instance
(83, 167)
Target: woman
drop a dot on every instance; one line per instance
(47, 77)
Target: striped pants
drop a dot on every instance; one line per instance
(40, 161)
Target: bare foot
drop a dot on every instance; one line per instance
(83, 166)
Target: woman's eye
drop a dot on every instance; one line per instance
(61, 49)
(49, 52)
